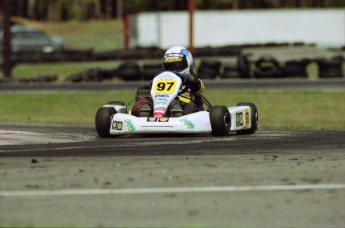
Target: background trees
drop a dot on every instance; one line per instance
(62, 10)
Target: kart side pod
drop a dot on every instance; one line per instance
(244, 118)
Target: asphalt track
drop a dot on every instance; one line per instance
(53, 176)
(71, 177)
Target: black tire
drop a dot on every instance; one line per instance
(151, 70)
(129, 71)
(75, 78)
(103, 121)
(331, 68)
(214, 65)
(108, 74)
(230, 72)
(220, 121)
(267, 67)
(294, 68)
(207, 73)
(243, 66)
(117, 103)
(92, 75)
(254, 118)
(47, 78)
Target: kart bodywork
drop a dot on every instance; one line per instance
(113, 119)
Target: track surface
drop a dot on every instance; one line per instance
(269, 179)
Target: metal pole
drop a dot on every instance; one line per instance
(119, 9)
(191, 6)
(126, 31)
(6, 39)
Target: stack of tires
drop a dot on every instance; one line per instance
(331, 68)
(92, 75)
(150, 70)
(129, 71)
(208, 69)
(267, 67)
(243, 66)
(242, 69)
(230, 72)
(295, 68)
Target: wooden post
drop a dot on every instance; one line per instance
(191, 6)
(6, 39)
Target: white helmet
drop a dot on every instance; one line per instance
(178, 59)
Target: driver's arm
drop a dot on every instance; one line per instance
(196, 86)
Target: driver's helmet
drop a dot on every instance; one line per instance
(178, 59)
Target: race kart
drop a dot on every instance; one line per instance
(113, 119)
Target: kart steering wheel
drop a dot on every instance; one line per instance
(184, 79)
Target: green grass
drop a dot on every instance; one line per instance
(63, 70)
(291, 109)
(287, 109)
(99, 35)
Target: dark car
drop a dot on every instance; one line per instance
(24, 39)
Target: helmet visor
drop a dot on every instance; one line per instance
(175, 63)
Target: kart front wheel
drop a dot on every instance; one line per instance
(117, 103)
(220, 120)
(103, 119)
(254, 119)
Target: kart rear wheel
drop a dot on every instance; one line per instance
(254, 119)
(220, 120)
(103, 119)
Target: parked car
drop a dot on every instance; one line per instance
(24, 40)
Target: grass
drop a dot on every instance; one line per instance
(63, 70)
(287, 109)
(99, 35)
(293, 109)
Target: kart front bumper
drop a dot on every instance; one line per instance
(128, 124)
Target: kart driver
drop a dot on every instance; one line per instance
(178, 59)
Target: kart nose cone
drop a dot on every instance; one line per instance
(158, 114)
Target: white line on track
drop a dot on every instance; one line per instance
(170, 190)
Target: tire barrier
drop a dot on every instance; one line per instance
(243, 66)
(72, 55)
(129, 71)
(331, 68)
(264, 67)
(230, 72)
(246, 66)
(217, 51)
(295, 68)
(91, 75)
(150, 70)
(208, 69)
(61, 56)
(267, 67)
(43, 79)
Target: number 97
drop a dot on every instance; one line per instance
(165, 86)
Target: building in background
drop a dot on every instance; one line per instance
(323, 27)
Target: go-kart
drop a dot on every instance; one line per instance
(113, 119)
